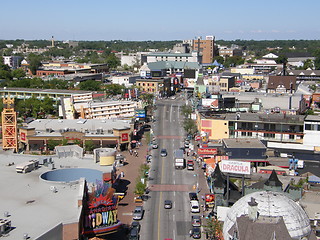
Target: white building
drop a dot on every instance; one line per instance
(107, 109)
(121, 80)
(182, 57)
(12, 61)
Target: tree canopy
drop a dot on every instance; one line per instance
(90, 85)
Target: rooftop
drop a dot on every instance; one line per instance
(33, 206)
(243, 143)
(80, 125)
(272, 204)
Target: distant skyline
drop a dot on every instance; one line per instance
(166, 20)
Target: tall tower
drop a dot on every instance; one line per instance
(52, 42)
(9, 125)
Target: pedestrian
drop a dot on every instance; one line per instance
(122, 174)
(137, 154)
(190, 232)
(202, 197)
(130, 151)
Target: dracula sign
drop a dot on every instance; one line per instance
(237, 167)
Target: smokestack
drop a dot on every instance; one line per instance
(253, 210)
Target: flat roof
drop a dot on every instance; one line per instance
(79, 125)
(32, 206)
(243, 143)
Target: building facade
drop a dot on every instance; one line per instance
(205, 47)
(37, 135)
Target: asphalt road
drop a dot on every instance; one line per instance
(174, 185)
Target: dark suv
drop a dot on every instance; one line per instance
(134, 234)
(193, 196)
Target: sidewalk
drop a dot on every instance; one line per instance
(131, 172)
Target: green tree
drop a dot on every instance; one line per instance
(34, 62)
(233, 61)
(90, 85)
(282, 59)
(213, 229)
(112, 61)
(140, 187)
(219, 59)
(147, 98)
(143, 170)
(186, 111)
(89, 146)
(190, 126)
(308, 64)
(48, 105)
(51, 144)
(64, 142)
(18, 73)
(113, 89)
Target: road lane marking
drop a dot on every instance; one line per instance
(160, 199)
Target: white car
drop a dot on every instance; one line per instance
(194, 205)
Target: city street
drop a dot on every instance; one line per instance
(167, 183)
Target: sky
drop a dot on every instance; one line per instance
(164, 20)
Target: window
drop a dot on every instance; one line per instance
(243, 134)
(291, 136)
(308, 127)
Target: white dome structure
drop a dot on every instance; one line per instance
(271, 204)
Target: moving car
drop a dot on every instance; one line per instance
(194, 205)
(138, 213)
(163, 153)
(196, 221)
(155, 145)
(196, 232)
(167, 204)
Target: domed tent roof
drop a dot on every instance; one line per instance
(271, 204)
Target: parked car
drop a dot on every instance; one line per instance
(167, 204)
(155, 145)
(134, 234)
(193, 196)
(196, 221)
(138, 213)
(194, 205)
(190, 165)
(196, 232)
(136, 225)
(163, 153)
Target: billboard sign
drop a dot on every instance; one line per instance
(237, 167)
(140, 113)
(100, 213)
(207, 151)
(209, 102)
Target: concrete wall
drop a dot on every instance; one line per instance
(54, 233)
